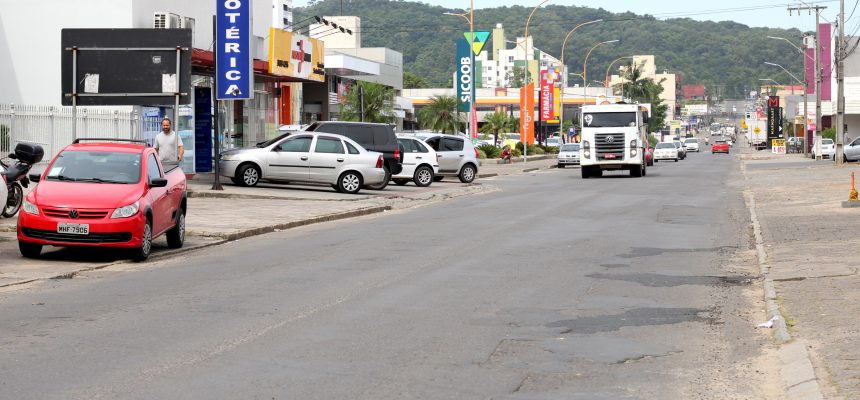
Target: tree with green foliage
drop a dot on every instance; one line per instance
(644, 90)
(412, 81)
(441, 115)
(495, 123)
(377, 103)
(514, 77)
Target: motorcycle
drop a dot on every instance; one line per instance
(25, 156)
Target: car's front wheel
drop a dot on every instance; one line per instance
(248, 175)
(349, 182)
(29, 250)
(423, 176)
(142, 252)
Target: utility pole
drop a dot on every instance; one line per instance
(818, 71)
(840, 86)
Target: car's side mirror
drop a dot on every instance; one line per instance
(13, 156)
(158, 182)
(34, 177)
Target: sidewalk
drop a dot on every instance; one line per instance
(215, 217)
(812, 247)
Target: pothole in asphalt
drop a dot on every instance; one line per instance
(654, 251)
(634, 317)
(659, 280)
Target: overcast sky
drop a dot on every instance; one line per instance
(771, 13)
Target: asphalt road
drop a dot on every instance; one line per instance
(552, 287)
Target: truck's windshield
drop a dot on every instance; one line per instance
(96, 167)
(609, 119)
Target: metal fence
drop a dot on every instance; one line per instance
(51, 127)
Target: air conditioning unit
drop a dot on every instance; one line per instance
(188, 23)
(166, 20)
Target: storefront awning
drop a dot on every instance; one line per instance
(344, 65)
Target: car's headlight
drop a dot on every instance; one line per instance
(126, 211)
(30, 208)
(229, 157)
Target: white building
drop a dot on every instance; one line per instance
(648, 68)
(282, 14)
(495, 65)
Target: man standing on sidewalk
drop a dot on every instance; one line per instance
(165, 143)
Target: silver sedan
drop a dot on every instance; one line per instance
(305, 157)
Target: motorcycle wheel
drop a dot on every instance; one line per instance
(13, 201)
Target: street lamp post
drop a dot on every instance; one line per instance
(470, 18)
(609, 68)
(563, 45)
(523, 119)
(585, 66)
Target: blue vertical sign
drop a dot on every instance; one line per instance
(464, 84)
(233, 55)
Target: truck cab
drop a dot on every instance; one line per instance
(614, 137)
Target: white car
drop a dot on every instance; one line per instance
(553, 142)
(682, 151)
(692, 144)
(305, 157)
(568, 154)
(828, 149)
(420, 162)
(666, 151)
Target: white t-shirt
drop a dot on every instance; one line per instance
(166, 146)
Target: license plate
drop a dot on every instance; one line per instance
(74, 229)
(609, 156)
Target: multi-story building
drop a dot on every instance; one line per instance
(494, 67)
(282, 14)
(648, 70)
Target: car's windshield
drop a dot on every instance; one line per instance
(269, 142)
(570, 147)
(691, 141)
(827, 141)
(96, 167)
(552, 140)
(609, 119)
(665, 145)
(720, 142)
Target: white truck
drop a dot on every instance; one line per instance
(757, 133)
(613, 138)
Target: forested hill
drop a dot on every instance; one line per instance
(727, 57)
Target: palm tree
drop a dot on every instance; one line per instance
(377, 103)
(441, 115)
(495, 123)
(644, 90)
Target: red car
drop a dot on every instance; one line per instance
(720, 146)
(104, 194)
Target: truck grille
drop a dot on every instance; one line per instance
(609, 143)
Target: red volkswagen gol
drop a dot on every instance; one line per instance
(104, 194)
(720, 146)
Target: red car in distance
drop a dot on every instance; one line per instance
(720, 146)
(104, 194)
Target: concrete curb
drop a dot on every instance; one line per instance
(206, 194)
(222, 239)
(797, 372)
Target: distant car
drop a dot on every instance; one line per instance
(691, 144)
(306, 157)
(420, 164)
(666, 151)
(682, 151)
(553, 142)
(456, 155)
(852, 150)
(720, 146)
(568, 154)
(828, 149)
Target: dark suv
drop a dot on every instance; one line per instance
(373, 137)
